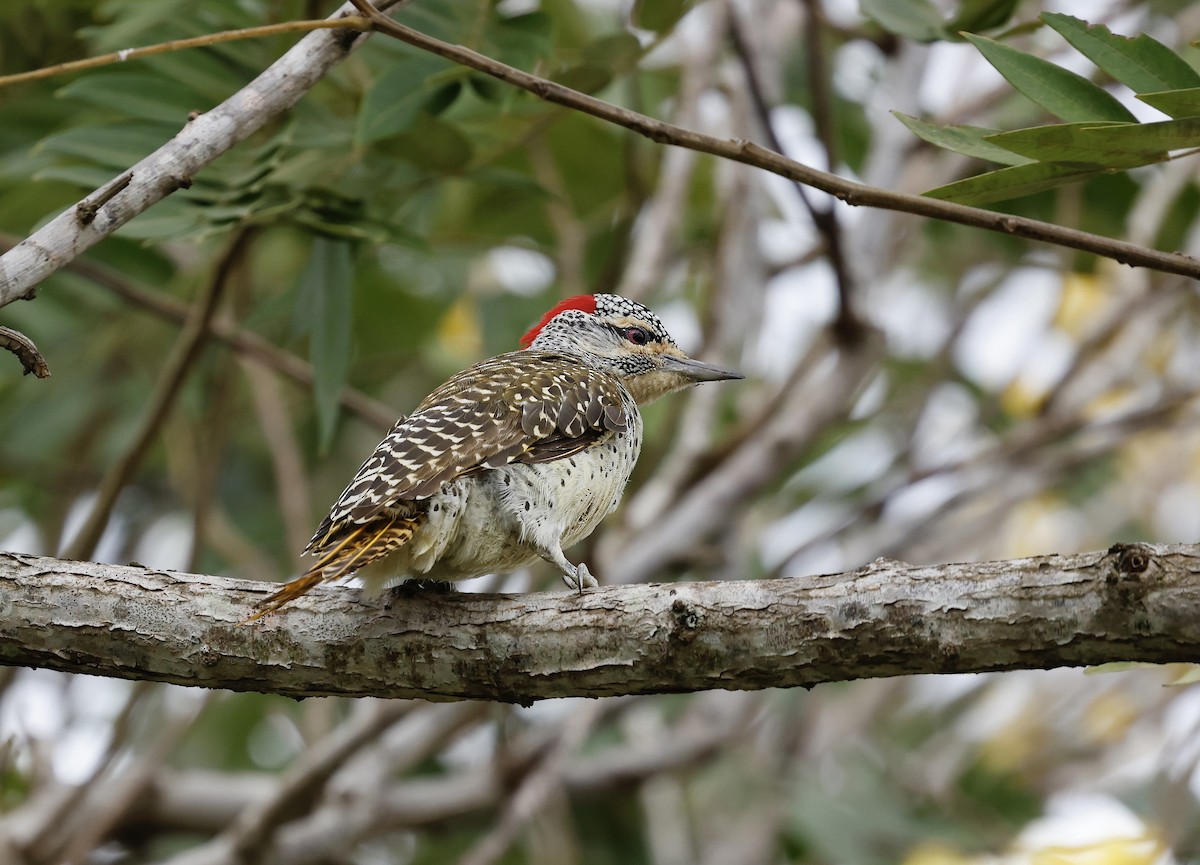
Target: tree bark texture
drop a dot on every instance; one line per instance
(1134, 602)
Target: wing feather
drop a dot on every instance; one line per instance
(527, 406)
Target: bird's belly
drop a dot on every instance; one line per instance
(562, 501)
(497, 521)
(467, 533)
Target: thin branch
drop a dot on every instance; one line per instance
(654, 244)
(1134, 602)
(107, 804)
(349, 23)
(746, 152)
(209, 135)
(847, 326)
(178, 365)
(286, 455)
(537, 785)
(1045, 443)
(53, 817)
(250, 835)
(203, 801)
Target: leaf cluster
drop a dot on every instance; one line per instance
(1098, 134)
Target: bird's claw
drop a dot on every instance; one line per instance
(581, 579)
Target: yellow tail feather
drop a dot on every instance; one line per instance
(358, 548)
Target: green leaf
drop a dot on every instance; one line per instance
(659, 15)
(967, 140)
(1014, 182)
(1084, 142)
(324, 311)
(1141, 63)
(1181, 134)
(619, 52)
(1061, 92)
(392, 104)
(210, 77)
(170, 219)
(586, 78)
(976, 15)
(915, 19)
(486, 87)
(1175, 103)
(443, 97)
(521, 40)
(117, 146)
(85, 176)
(433, 144)
(137, 95)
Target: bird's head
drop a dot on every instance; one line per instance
(624, 338)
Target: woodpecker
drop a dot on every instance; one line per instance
(511, 460)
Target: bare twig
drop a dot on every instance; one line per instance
(539, 783)
(26, 352)
(86, 210)
(652, 245)
(53, 818)
(203, 801)
(305, 780)
(108, 803)
(348, 23)
(287, 461)
(847, 326)
(1044, 446)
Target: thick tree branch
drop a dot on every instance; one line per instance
(1131, 603)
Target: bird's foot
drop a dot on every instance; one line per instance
(410, 588)
(581, 579)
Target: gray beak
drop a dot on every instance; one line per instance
(697, 370)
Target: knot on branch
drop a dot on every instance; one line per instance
(87, 209)
(687, 621)
(1131, 558)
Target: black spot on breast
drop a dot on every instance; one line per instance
(526, 505)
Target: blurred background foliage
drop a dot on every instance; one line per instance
(410, 216)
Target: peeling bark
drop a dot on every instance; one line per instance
(1130, 603)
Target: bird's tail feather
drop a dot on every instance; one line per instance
(356, 549)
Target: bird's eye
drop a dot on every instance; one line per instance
(637, 335)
